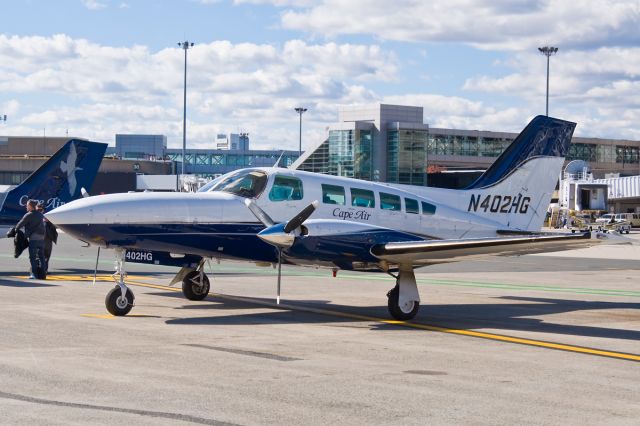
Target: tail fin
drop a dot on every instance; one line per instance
(60, 179)
(516, 190)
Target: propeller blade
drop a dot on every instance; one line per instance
(299, 219)
(260, 214)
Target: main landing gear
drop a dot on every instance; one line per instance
(195, 284)
(403, 299)
(119, 300)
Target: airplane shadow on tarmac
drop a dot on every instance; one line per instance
(515, 316)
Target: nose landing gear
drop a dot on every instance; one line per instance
(119, 300)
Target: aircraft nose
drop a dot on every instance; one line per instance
(66, 214)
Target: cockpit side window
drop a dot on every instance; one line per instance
(286, 188)
(246, 183)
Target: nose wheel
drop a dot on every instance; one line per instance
(119, 300)
(118, 304)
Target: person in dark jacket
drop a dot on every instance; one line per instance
(50, 236)
(33, 223)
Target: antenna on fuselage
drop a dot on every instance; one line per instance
(279, 159)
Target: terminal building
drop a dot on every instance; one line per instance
(391, 143)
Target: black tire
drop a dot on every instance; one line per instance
(396, 311)
(191, 289)
(116, 305)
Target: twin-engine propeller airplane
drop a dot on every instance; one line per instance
(59, 180)
(356, 225)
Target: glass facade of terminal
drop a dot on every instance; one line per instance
(407, 156)
(211, 163)
(350, 153)
(318, 161)
(475, 146)
(619, 154)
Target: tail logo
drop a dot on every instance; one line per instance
(69, 167)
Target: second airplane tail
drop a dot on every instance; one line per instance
(60, 179)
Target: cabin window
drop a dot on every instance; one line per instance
(362, 198)
(286, 188)
(428, 208)
(248, 184)
(411, 205)
(332, 194)
(389, 202)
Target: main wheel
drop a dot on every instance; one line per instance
(118, 305)
(191, 287)
(402, 313)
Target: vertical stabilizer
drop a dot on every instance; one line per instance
(516, 190)
(59, 180)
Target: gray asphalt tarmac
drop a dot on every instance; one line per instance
(551, 339)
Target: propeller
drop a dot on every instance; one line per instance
(280, 235)
(260, 214)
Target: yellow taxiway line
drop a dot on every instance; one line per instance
(478, 334)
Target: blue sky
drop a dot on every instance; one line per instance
(94, 68)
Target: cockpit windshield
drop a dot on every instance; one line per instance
(245, 183)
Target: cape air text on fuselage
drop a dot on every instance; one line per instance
(49, 204)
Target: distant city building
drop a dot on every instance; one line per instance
(391, 143)
(140, 147)
(232, 141)
(222, 142)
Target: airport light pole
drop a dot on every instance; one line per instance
(300, 111)
(3, 117)
(548, 51)
(185, 46)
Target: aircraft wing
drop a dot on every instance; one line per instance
(429, 252)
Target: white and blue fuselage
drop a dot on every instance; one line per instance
(350, 217)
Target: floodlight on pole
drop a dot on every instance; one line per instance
(185, 45)
(300, 111)
(548, 51)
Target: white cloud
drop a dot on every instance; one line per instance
(102, 90)
(486, 24)
(94, 4)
